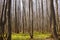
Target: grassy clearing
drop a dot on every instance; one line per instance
(26, 36)
(20, 36)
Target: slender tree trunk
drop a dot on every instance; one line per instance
(3, 22)
(57, 15)
(29, 17)
(16, 21)
(19, 11)
(39, 16)
(9, 20)
(32, 18)
(31, 10)
(24, 16)
(47, 16)
(42, 16)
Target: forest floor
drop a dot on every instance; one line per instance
(36, 36)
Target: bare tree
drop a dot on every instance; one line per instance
(31, 20)
(24, 16)
(39, 16)
(16, 22)
(3, 20)
(19, 14)
(57, 15)
(36, 17)
(9, 19)
(42, 15)
(32, 17)
(47, 16)
(52, 17)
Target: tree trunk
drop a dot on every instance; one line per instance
(16, 21)
(52, 15)
(9, 20)
(3, 22)
(31, 20)
(57, 15)
(42, 16)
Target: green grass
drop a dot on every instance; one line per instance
(26, 36)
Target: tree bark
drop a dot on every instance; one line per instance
(9, 20)
(3, 20)
(42, 16)
(52, 15)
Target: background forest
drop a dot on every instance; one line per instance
(29, 19)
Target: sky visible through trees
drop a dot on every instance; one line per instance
(34, 2)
